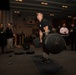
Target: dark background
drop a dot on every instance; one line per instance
(4, 5)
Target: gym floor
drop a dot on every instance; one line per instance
(11, 64)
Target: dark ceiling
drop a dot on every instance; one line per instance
(51, 8)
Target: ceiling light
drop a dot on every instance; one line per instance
(69, 16)
(65, 6)
(18, 0)
(51, 14)
(46, 3)
(16, 11)
(42, 3)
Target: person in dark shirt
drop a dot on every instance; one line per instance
(44, 30)
(72, 36)
(9, 36)
(2, 38)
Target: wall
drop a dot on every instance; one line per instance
(22, 23)
(25, 23)
(6, 17)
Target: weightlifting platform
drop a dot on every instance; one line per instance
(46, 68)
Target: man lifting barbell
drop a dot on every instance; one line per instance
(44, 30)
(51, 43)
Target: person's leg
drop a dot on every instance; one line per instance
(11, 44)
(2, 49)
(72, 44)
(8, 45)
(75, 43)
(45, 51)
(65, 42)
(45, 55)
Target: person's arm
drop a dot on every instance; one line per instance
(40, 35)
(46, 29)
(67, 31)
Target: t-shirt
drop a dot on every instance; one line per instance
(9, 33)
(73, 33)
(42, 24)
(64, 30)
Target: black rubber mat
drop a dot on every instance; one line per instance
(19, 53)
(46, 68)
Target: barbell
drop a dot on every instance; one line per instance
(54, 43)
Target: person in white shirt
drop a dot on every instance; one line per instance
(64, 31)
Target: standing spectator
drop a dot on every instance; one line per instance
(58, 28)
(9, 36)
(2, 38)
(72, 36)
(64, 31)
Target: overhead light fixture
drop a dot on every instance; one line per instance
(44, 3)
(51, 14)
(18, 0)
(69, 16)
(17, 12)
(65, 6)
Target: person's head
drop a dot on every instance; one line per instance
(72, 25)
(39, 16)
(59, 26)
(64, 25)
(9, 25)
(1, 25)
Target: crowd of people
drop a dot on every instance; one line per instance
(8, 38)
(69, 34)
